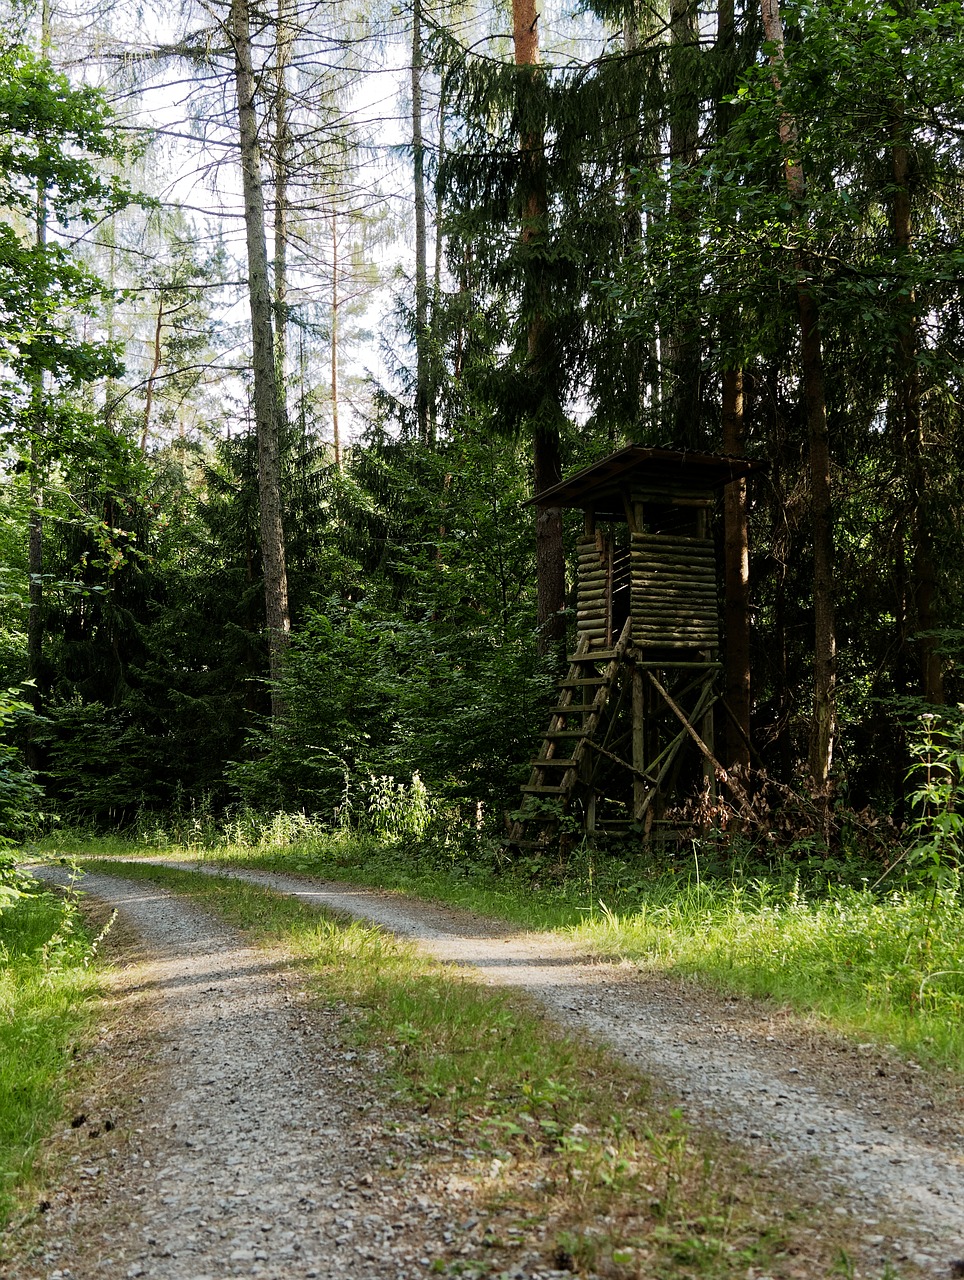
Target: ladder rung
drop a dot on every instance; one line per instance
(554, 763)
(575, 708)
(566, 733)
(581, 680)
(545, 791)
(593, 655)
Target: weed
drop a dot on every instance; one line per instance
(394, 810)
(937, 833)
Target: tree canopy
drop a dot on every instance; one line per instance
(673, 228)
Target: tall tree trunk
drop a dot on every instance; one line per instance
(637, 29)
(282, 169)
(785, 702)
(267, 403)
(35, 563)
(824, 725)
(422, 374)
(824, 719)
(110, 314)
(683, 349)
(547, 467)
(912, 434)
(435, 380)
(155, 369)
(35, 523)
(684, 86)
(35, 533)
(335, 430)
(725, 68)
(736, 556)
(736, 572)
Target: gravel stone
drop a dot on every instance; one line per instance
(247, 1111)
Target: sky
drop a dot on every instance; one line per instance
(359, 76)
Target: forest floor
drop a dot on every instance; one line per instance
(252, 1143)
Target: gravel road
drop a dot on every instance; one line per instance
(265, 1154)
(859, 1130)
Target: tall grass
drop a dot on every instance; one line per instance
(886, 965)
(46, 990)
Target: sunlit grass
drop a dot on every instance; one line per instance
(890, 966)
(456, 877)
(46, 999)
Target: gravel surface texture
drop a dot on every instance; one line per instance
(879, 1138)
(257, 1149)
(263, 1154)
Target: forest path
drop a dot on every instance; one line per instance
(870, 1130)
(858, 1130)
(257, 1148)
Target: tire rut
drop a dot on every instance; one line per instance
(258, 1149)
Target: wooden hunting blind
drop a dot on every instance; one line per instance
(633, 720)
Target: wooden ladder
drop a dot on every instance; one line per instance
(561, 763)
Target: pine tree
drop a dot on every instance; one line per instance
(268, 412)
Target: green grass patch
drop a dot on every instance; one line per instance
(556, 1131)
(533, 898)
(47, 991)
(882, 964)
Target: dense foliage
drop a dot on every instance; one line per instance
(667, 254)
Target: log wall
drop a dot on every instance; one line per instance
(594, 590)
(673, 592)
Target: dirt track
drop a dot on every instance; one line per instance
(862, 1132)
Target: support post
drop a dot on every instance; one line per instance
(706, 729)
(640, 789)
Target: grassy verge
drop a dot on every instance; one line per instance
(462, 880)
(884, 964)
(889, 967)
(562, 1143)
(47, 988)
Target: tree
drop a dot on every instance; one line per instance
(423, 391)
(55, 136)
(625, 257)
(180, 329)
(267, 401)
(546, 456)
(824, 723)
(681, 339)
(736, 566)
